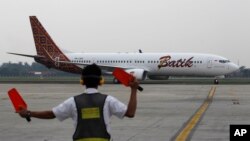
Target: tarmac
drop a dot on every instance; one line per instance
(164, 112)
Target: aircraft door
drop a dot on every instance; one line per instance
(132, 62)
(227, 66)
(209, 63)
(93, 60)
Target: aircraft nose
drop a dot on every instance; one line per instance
(233, 67)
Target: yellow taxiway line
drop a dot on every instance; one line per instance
(185, 132)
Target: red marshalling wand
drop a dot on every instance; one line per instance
(124, 77)
(17, 101)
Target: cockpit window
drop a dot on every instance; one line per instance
(224, 61)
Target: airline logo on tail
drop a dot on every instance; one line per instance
(46, 47)
(43, 41)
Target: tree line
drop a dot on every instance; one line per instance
(243, 72)
(24, 69)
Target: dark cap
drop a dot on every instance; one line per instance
(92, 70)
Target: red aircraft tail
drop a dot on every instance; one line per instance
(46, 47)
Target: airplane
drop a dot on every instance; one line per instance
(156, 66)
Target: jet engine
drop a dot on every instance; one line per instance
(139, 74)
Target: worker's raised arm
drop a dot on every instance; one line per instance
(132, 104)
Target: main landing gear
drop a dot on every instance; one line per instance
(216, 81)
(115, 81)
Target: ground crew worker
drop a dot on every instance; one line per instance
(90, 111)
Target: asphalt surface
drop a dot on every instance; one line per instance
(164, 112)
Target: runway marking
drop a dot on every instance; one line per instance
(235, 99)
(185, 132)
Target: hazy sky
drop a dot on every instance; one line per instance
(219, 27)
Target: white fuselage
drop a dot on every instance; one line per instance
(161, 64)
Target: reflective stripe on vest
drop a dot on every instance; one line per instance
(89, 113)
